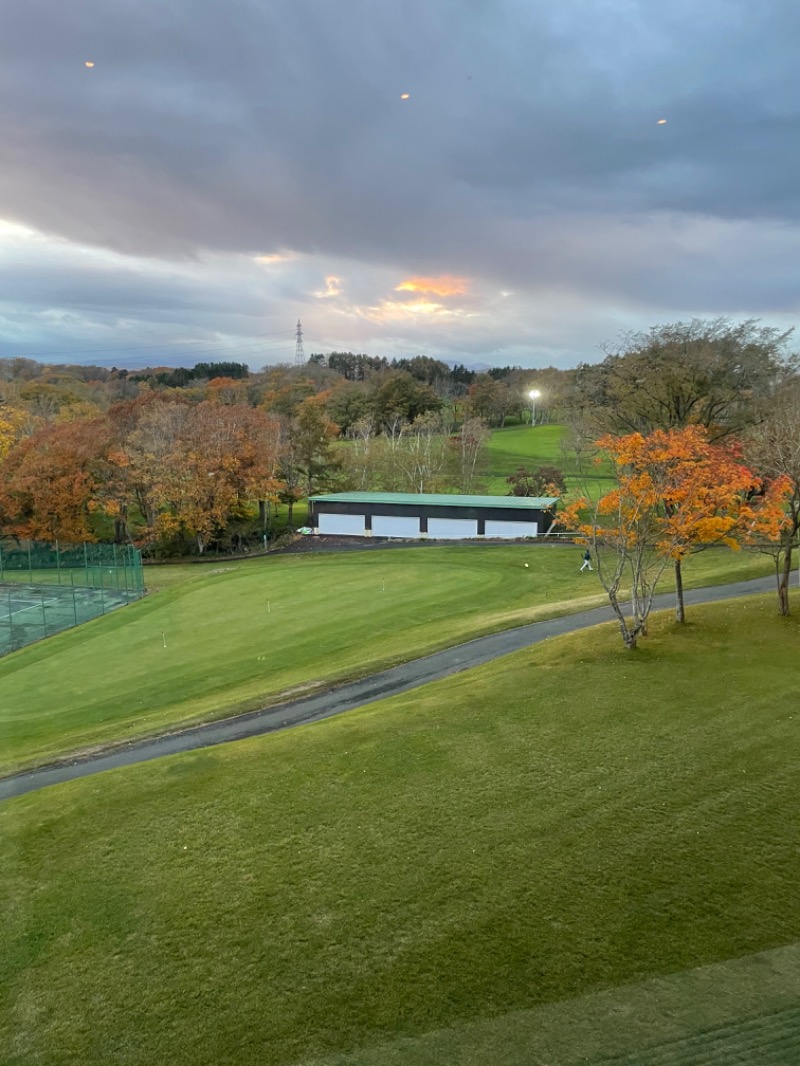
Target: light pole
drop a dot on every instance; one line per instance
(534, 395)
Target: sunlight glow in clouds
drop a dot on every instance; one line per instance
(399, 311)
(444, 285)
(333, 287)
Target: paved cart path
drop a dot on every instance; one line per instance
(347, 697)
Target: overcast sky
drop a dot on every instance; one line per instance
(225, 168)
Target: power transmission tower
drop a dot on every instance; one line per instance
(299, 351)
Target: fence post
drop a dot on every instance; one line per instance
(44, 616)
(1, 564)
(58, 564)
(74, 605)
(30, 567)
(86, 563)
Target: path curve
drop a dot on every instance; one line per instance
(347, 697)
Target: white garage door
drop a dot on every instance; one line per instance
(353, 525)
(511, 529)
(452, 528)
(394, 526)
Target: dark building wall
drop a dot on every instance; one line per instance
(544, 519)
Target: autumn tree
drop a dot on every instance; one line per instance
(673, 491)
(226, 457)
(284, 389)
(14, 425)
(621, 529)
(143, 458)
(774, 450)
(49, 482)
(227, 390)
(706, 492)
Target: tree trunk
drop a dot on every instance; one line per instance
(290, 513)
(680, 610)
(783, 582)
(628, 635)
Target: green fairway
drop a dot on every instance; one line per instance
(466, 867)
(230, 638)
(517, 446)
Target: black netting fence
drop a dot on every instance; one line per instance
(46, 588)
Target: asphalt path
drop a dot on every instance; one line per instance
(347, 697)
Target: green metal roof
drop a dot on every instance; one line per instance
(440, 499)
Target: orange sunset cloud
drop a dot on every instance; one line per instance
(444, 285)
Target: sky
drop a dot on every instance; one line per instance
(490, 182)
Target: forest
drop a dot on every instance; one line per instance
(181, 460)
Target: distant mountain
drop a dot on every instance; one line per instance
(478, 368)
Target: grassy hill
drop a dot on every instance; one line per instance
(515, 446)
(458, 873)
(219, 640)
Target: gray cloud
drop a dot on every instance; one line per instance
(528, 155)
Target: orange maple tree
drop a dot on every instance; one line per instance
(675, 492)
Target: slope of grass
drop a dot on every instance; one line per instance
(232, 638)
(516, 446)
(567, 820)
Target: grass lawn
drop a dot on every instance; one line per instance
(515, 446)
(238, 636)
(561, 823)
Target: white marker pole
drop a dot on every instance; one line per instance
(163, 637)
(269, 609)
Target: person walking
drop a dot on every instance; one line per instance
(587, 561)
